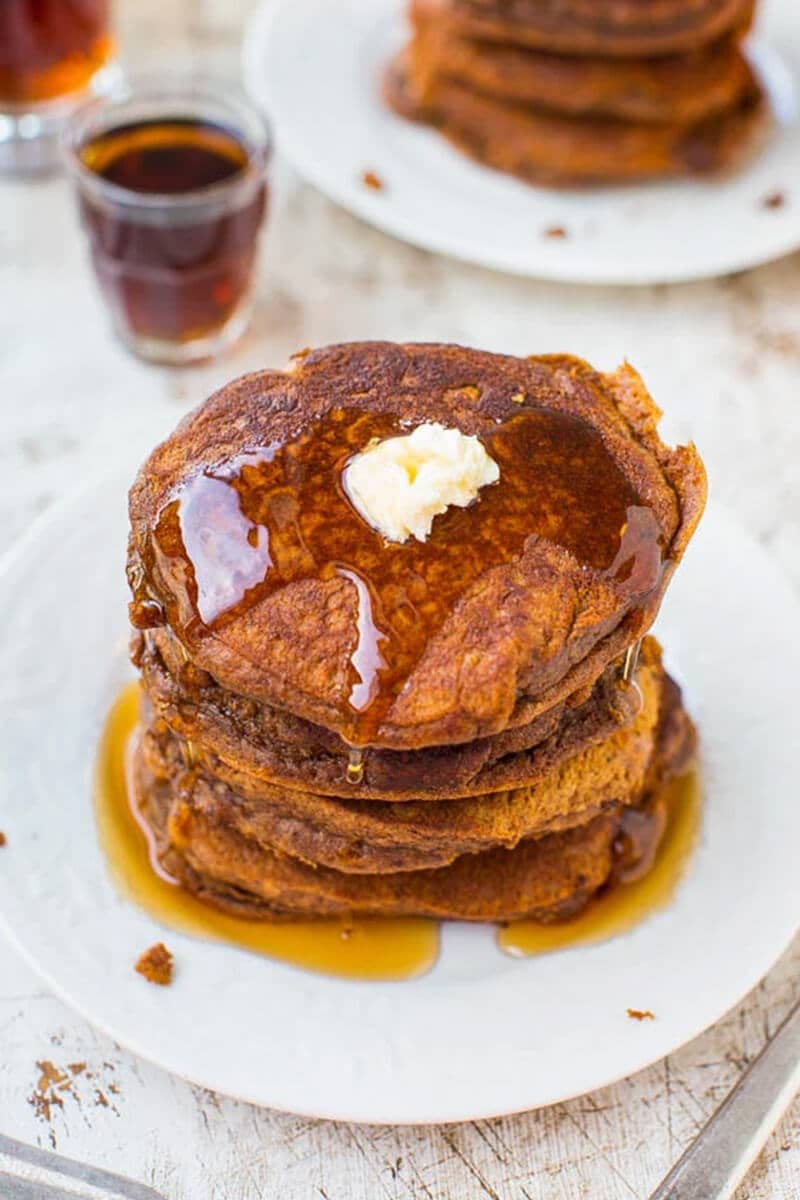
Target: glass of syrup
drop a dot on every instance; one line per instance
(172, 189)
(52, 54)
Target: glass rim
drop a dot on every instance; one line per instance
(248, 122)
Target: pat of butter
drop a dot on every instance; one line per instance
(399, 485)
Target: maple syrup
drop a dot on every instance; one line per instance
(359, 948)
(51, 48)
(174, 231)
(242, 528)
(653, 851)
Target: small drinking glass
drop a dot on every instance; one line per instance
(52, 54)
(172, 188)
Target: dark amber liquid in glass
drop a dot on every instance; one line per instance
(180, 276)
(50, 48)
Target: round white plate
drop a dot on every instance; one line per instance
(482, 1033)
(316, 68)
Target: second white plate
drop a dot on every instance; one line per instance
(316, 68)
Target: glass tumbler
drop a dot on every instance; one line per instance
(52, 54)
(172, 187)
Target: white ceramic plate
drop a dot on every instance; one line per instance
(482, 1033)
(316, 68)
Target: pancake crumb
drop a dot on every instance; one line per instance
(371, 180)
(641, 1014)
(556, 232)
(3, 839)
(774, 200)
(156, 964)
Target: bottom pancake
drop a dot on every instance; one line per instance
(547, 878)
(548, 148)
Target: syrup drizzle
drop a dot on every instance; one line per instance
(238, 531)
(355, 767)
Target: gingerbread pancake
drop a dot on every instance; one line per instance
(674, 90)
(552, 149)
(545, 878)
(606, 28)
(276, 747)
(363, 835)
(245, 544)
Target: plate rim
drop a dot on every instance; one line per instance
(52, 517)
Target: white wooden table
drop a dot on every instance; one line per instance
(723, 358)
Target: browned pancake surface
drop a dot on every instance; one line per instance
(525, 629)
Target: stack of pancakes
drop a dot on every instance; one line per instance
(333, 724)
(584, 91)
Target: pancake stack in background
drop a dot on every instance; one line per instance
(474, 726)
(585, 91)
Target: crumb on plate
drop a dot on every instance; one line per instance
(641, 1014)
(156, 964)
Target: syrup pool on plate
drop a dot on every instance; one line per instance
(638, 893)
(388, 948)
(361, 948)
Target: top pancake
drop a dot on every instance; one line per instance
(512, 595)
(675, 89)
(609, 28)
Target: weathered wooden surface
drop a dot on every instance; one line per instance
(723, 358)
